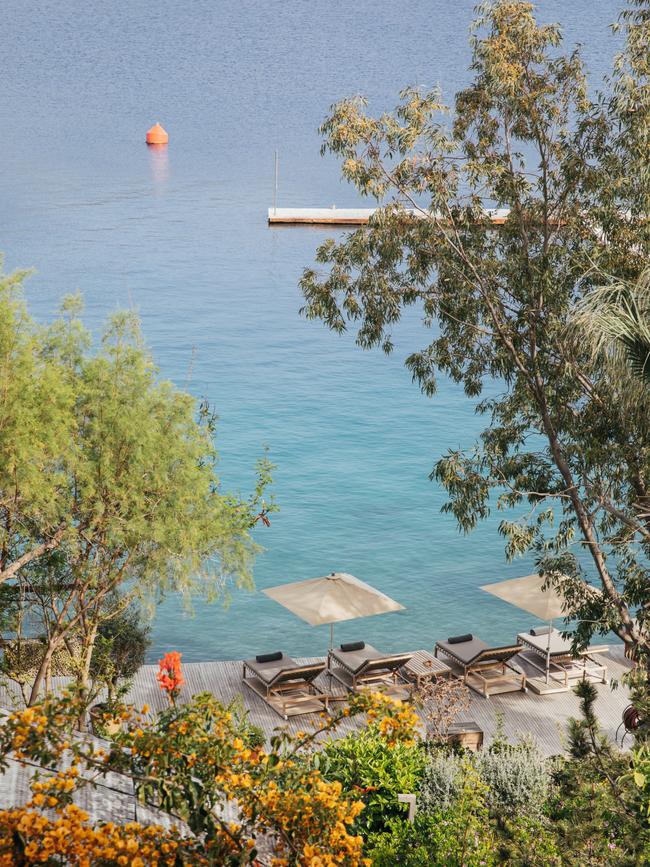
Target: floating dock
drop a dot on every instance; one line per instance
(321, 216)
(349, 216)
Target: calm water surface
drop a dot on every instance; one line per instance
(181, 235)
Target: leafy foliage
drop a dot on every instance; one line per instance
(362, 763)
(617, 318)
(597, 793)
(561, 446)
(119, 649)
(589, 821)
(452, 838)
(108, 480)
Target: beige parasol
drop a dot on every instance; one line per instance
(333, 598)
(528, 593)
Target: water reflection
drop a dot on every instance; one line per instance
(159, 161)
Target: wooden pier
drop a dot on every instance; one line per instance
(349, 216)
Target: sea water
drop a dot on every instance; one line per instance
(181, 235)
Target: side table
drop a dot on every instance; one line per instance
(424, 666)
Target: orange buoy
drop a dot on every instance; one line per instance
(157, 135)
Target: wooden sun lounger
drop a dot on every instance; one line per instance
(563, 664)
(484, 667)
(368, 667)
(285, 685)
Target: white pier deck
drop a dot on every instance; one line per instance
(347, 216)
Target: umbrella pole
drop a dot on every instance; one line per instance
(548, 651)
(329, 669)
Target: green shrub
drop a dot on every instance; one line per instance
(119, 651)
(405, 843)
(523, 841)
(442, 781)
(458, 837)
(594, 822)
(375, 773)
(518, 779)
(433, 841)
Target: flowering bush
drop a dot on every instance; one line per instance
(170, 676)
(190, 761)
(29, 837)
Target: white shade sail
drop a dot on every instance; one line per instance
(333, 598)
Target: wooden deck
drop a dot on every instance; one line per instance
(347, 216)
(543, 717)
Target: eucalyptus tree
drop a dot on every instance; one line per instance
(108, 479)
(573, 175)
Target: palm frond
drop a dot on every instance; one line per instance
(638, 356)
(615, 319)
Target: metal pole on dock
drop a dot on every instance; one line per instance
(275, 190)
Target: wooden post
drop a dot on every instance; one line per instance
(411, 801)
(275, 189)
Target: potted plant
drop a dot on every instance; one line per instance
(118, 654)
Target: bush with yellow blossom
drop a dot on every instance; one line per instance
(195, 763)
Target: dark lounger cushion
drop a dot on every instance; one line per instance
(269, 657)
(460, 639)
(352, 646)
(540, 630)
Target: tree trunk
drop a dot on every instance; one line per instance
(84, 672)
(41, 674)
(627, 630)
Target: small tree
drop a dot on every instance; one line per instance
(442, 699)
(597, 812)
(108, 482)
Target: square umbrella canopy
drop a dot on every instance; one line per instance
(528, 593)
(331, 599)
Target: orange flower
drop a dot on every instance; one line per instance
(170, 677)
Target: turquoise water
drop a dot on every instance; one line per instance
(182, 236)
